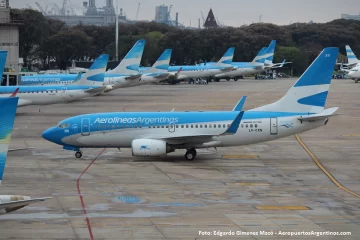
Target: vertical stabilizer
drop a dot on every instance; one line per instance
(352, 59)
(227, 58)
(309, 93)
(8, 110)
(162, 63)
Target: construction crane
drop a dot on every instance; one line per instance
(29, 7)
(202, 16)
(168, 16)
(137, 12)
(63, 10)
(40, 8)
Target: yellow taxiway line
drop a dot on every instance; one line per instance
(328, 174)
(294, 208)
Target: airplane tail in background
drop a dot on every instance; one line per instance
(260, 58)
(310, 92)
(8, 110)
(3, 56)
(269, 56)
(352, 59)
(163, 62)
(96, 73)
(131, 62)
(227, 58)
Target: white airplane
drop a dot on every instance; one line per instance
(352, 68)
(10, 203)
(159, 133)
(90, 84)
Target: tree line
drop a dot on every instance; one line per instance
(42, 38)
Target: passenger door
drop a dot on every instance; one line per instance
(85, 126)
(171, 127)
(273, 126)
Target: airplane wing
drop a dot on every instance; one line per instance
(162, 75)
(228, 69)
(15, 92)
(96, 90)
(201, 138)
(133, 77)
(322, 115)
(15, 205)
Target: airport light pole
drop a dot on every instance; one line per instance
(117, 32)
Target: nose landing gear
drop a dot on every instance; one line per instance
(190, 154)
(78, 154)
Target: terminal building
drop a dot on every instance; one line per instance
(350, 17)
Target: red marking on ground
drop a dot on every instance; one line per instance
(81, 197)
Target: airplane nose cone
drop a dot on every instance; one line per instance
(48, 134)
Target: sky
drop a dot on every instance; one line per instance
(228, 12)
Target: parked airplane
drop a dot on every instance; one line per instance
(159, 133)
(10, 203)
(354, 73)
(90, 84)
(262, 62)
(126, 74)
(352, 59)
(203, 71)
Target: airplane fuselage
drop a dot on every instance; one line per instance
(44, 95)
(119, 130)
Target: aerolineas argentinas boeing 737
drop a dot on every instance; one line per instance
(90, 84)
(353, 65)
(9, 203)
(157, 133)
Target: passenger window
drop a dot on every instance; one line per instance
(214, 125)
(162, 126)
(196, 126)
(247, 126)
(187, 126)
(256, 125)
(224, 126)
(242, 125)
(192, 126)
(251, 125)
(182, 126)
(228, 125)
(205, 126)
(177, 126)
(200, 125)
(219, 126)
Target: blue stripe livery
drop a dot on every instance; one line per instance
(100, 63)
(137, 50)
(318, 100)
(8, 110)
(320, 72)
(3, 56)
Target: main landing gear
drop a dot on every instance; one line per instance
(78, 154)
(190, 154)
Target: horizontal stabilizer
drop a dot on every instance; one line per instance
(322, 115)
(162, 75)
(240, 105)
(96, 90)
(133, 77)
(14, 205)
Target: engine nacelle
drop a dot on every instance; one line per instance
(108, 88)
(150, 148)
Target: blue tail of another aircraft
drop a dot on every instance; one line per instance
(131, 62)
(8, 110)
(260, 58)
(310, 92)
(162, 63)
(227, 58)
(352, 59)
(96, 73)
(3, 56)
(269, 55)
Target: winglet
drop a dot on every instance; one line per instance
(240, 104)
(14, 93)
(234, 125)
(179, 71)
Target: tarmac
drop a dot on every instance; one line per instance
(263, 189)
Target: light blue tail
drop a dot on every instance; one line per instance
(96, 73)
(352, 59)
(8, 110)
(131, 62)
(162, 64)
(3, 56)
(310, 92)
(227, 58)
(269, 56)
(260, 58)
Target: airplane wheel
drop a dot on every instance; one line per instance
(190, 154)
(78, 154)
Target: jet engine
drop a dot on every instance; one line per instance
(150, 148)
(108, 88)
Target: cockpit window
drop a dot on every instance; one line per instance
(64, 125)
